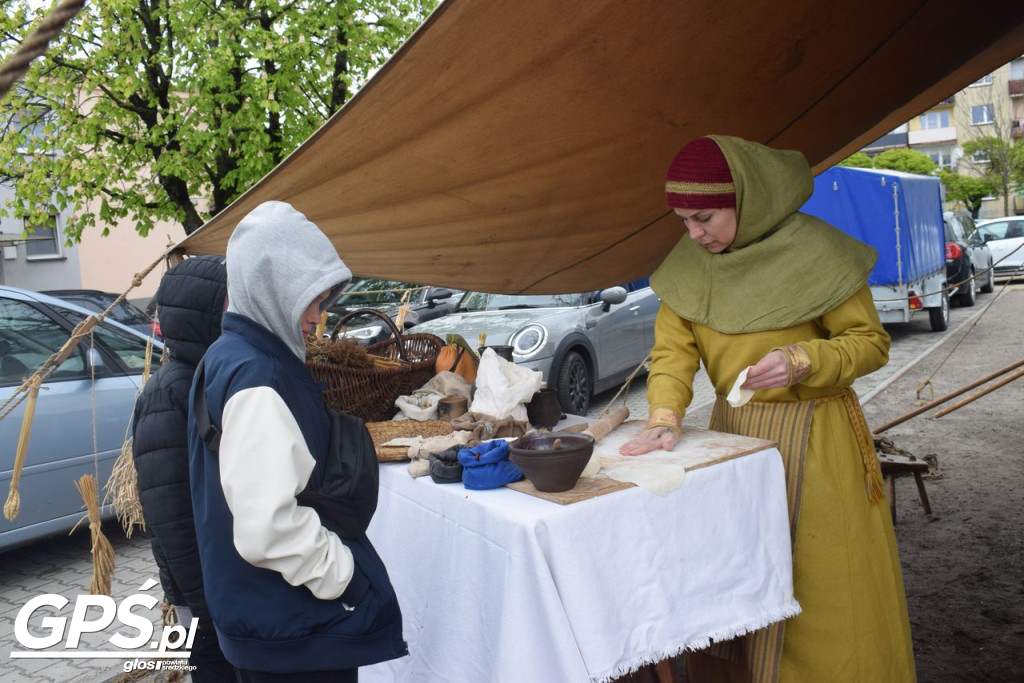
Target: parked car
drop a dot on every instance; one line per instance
(125, 312)
(1005, 237)
(89, 396)
(583, 343)
(967, 256)
(425, 303)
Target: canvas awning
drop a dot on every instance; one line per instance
(521, 146)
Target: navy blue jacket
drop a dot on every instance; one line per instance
(263, 622)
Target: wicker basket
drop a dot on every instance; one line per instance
(370, 393)
(382, 432)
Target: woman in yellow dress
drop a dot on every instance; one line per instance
(758, 284)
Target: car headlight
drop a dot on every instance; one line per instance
(364, 333)
(528, 340)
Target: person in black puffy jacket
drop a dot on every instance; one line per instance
(190, 303)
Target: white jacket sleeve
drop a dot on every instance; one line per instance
(264, 464)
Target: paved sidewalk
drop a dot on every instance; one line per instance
(63, 566)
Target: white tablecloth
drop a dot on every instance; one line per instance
(502, 586)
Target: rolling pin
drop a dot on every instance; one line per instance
(600, 429)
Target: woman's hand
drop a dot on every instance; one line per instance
(651, 440)
(771, 372)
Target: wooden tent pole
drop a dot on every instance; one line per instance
(975, 397)
(953, 394)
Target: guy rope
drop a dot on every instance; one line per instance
(37, 43)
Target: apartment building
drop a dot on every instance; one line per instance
(992, 106)
(41, 259)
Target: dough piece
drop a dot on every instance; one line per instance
(656, 477)
(738, 397)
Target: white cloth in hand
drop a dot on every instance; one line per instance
(737, 396)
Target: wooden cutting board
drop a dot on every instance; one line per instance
(590, 487)
(697, 448)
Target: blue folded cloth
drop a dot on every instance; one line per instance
(486, 466)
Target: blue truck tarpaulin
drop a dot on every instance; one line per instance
(899, 214)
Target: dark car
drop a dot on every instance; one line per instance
(968, 258)
(81, 414)
(425, 303)
(94, 300)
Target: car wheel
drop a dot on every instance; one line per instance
(939, 315)
(573, 384)
(990, 284)
(967, 297)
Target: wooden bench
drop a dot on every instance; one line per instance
(901, 464)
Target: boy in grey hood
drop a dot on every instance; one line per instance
(280, 585)
(280, 262)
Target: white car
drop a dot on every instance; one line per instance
(1005, 237)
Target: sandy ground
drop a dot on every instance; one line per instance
(964, 564)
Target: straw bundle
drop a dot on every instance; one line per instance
(343, 353)
(102, 551)
(13, 505)
(122, 488)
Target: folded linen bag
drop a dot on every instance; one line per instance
(486, 466)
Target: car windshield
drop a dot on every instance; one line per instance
(481, 301)
(370, 292)
(1001, 230)
(124, 313)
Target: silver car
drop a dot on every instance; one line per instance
(88, 400)
(1005, 237)
(583, 343)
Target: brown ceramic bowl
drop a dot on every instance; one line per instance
(552, 462)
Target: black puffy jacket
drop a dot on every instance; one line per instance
(190, 304)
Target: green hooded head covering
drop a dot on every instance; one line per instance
(783, 268)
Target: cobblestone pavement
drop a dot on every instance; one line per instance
(63, 566)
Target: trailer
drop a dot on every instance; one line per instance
(900, 215)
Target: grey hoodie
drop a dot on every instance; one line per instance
(278, 263)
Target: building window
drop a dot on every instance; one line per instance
(1017, 69)
(43, 241)
(980, 156)
(942, 156)
(982, 113)
(935, 119)
(984, 80)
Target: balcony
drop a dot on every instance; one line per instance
(888, 141)
(1016, 87)
(932, 136)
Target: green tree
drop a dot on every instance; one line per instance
(906, 160)
(967, 190)
(857, 160)
(1000, 162)
(169, 110)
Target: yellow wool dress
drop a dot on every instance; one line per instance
(846, 571)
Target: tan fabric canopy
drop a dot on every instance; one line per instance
(521, 146)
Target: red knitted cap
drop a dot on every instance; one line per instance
(699, 178)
